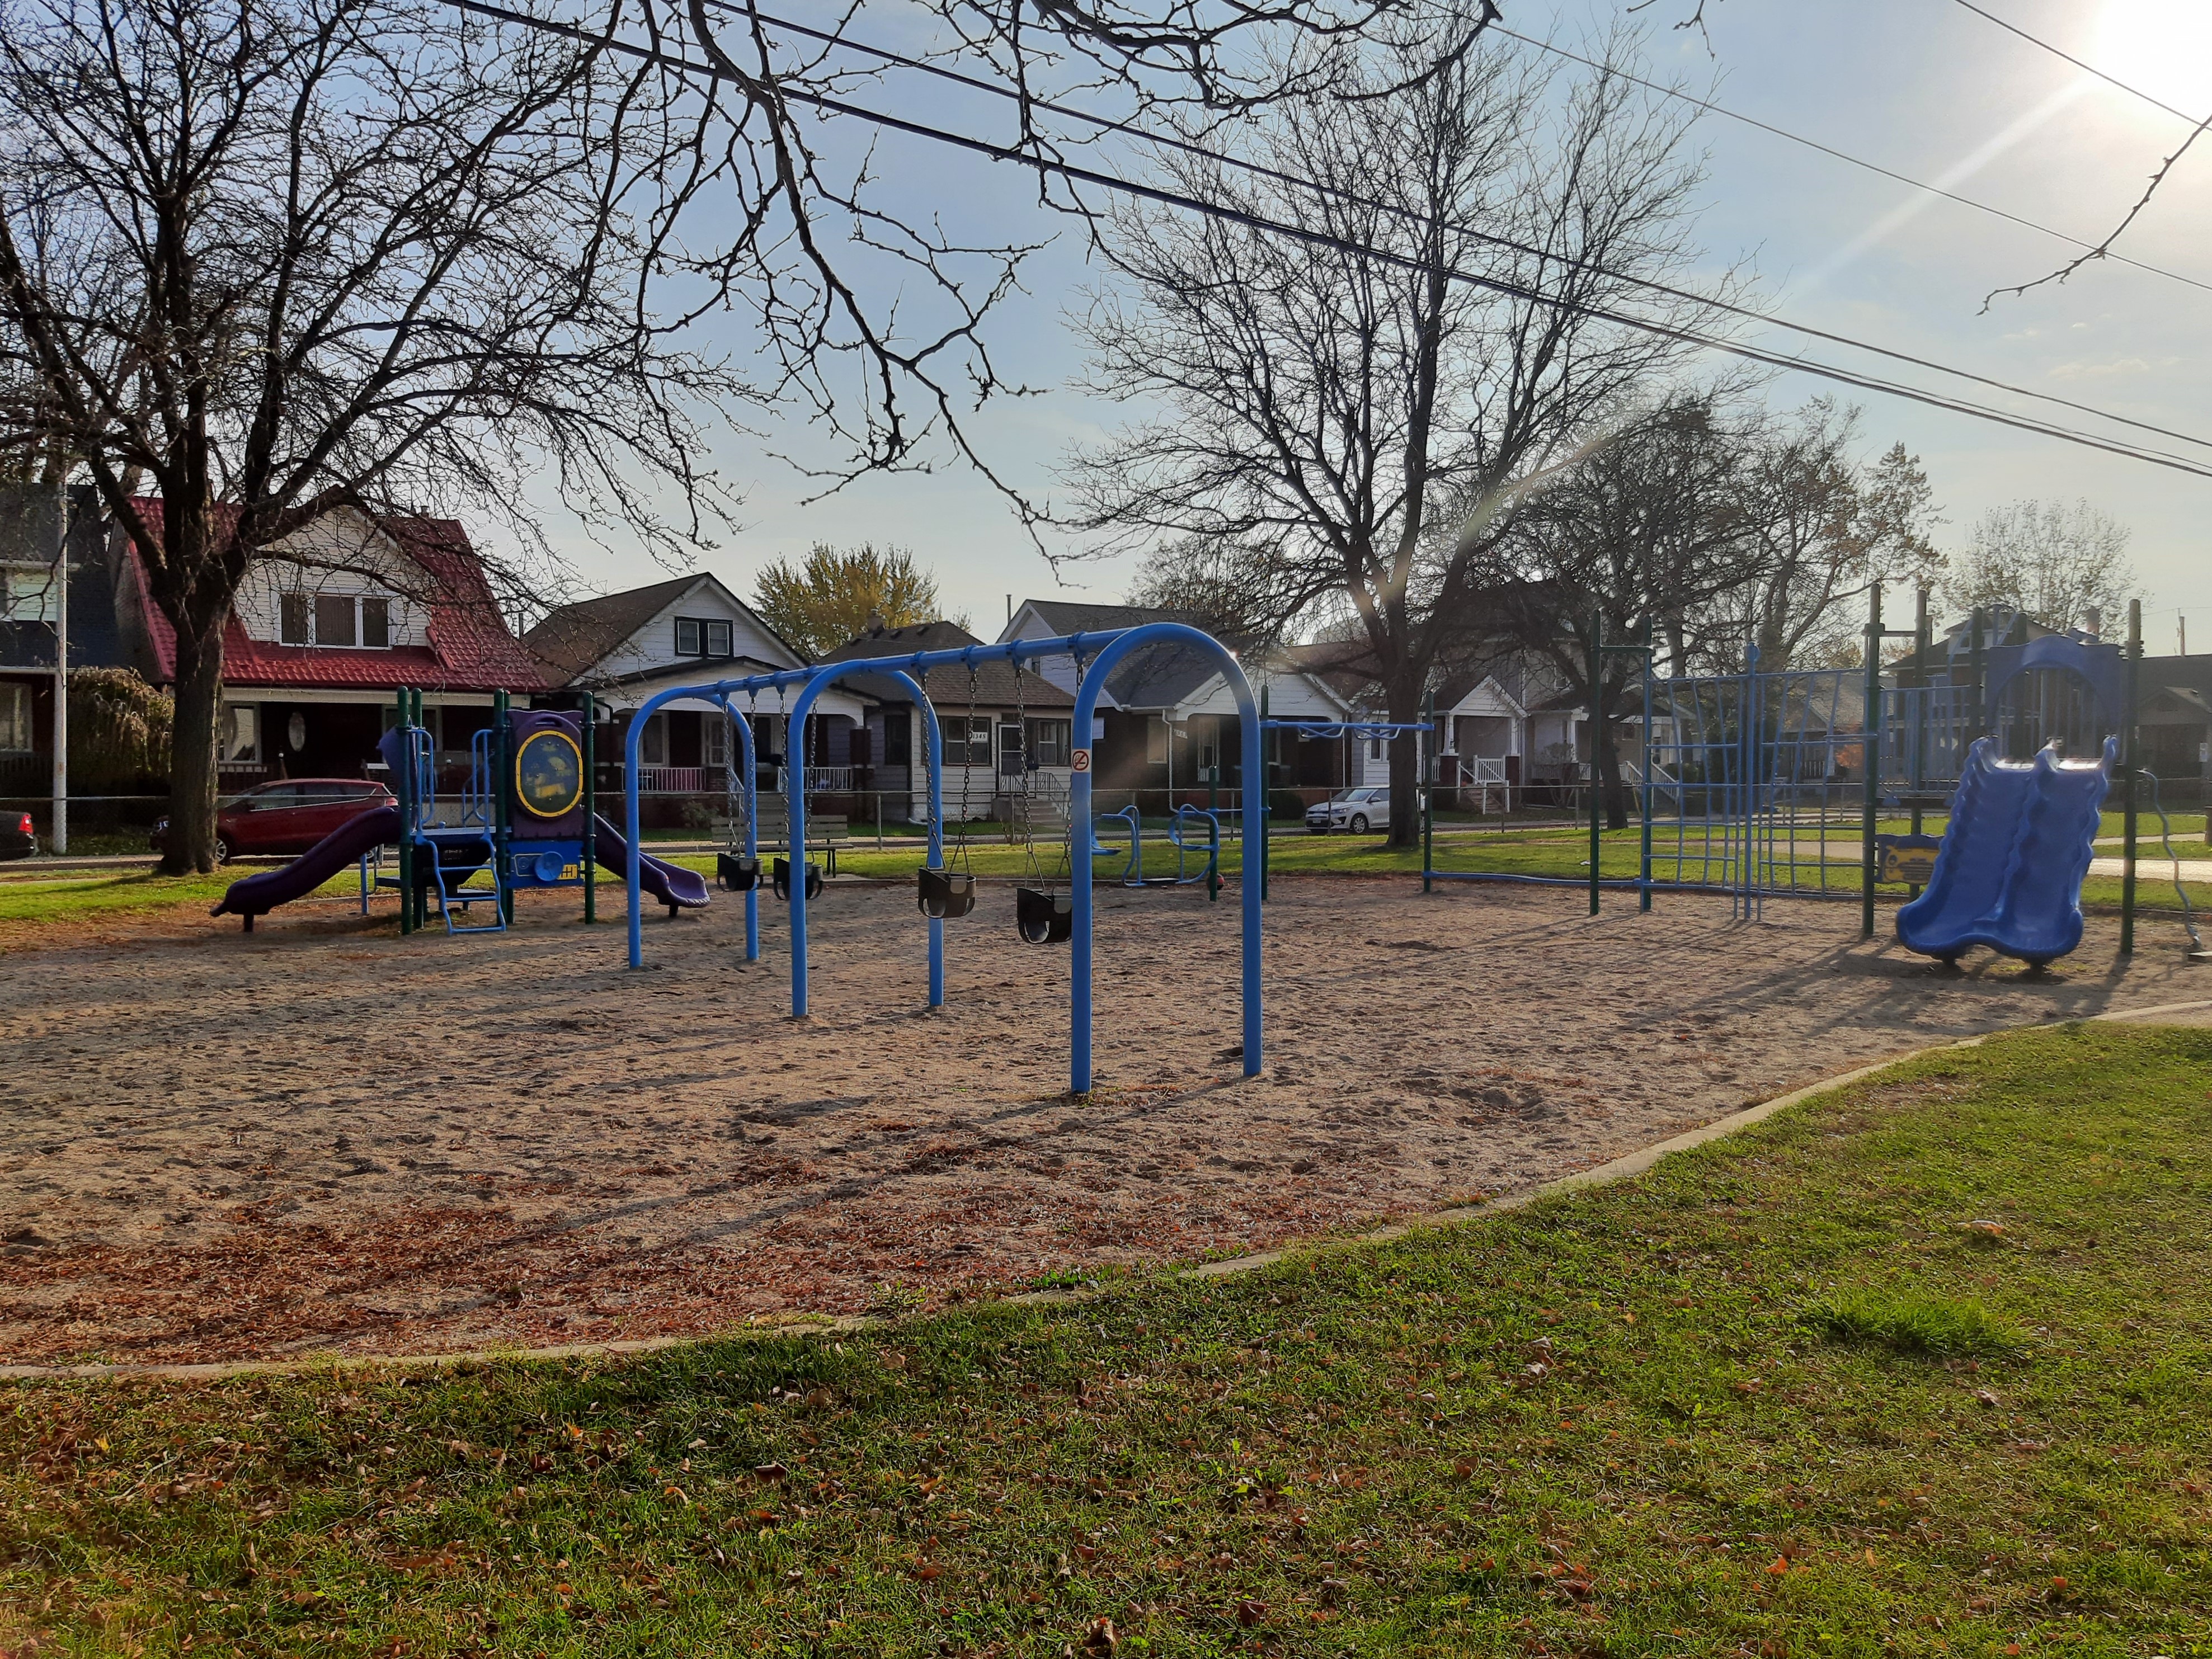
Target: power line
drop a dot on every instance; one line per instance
(1259, 169)
(1876, 167)
(1297, 233)
(2087, 69)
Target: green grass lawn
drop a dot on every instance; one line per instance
(1920, 1368)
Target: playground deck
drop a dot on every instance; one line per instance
(323, 1137)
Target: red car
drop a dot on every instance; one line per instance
(289, 816)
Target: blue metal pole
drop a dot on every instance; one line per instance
(631, 871)
(795, 831)
(934, 747)
(752, 826)
(1256, 829)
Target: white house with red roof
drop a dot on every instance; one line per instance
(327, 627)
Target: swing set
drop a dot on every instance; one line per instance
(1051, 906)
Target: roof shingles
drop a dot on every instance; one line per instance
(469, 648)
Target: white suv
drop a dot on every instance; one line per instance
(1356, 810)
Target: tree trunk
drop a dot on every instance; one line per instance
(1605, 752)
(1403, 694)
(192, 769)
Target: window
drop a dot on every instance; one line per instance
(276, 798)
(334, 619)
(652, 746)
(292, 619)
(962, 746)
(898, 737)
(376, 622)
(688, 642)
(717, 639)
(238, 732)
(714, 741)
(1375, 749)
(28, 596)
(1155, 741)
(15, 718)
(1049, 742)
(1205, 744)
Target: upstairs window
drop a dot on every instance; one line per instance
(334, 620)
(702, 636)
(341, 622)
(28, 595)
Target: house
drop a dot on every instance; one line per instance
(1168, 720)
(625, 647)
(36, 522)
(997, 725)
(2173, 713)
(327, 626)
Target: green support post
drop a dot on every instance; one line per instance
(501, 761)
(1431, 762)
(405, 791)
(1979, 669)
(1922, 644)
(1596, 698)
(1213, 785)
(592, 808)
(1870, 729)
(2130, 764)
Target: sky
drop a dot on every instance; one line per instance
(1924, 88)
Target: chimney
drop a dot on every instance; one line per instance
(2093, 624)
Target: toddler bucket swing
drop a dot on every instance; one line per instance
(1044, 908)
(940, 891)
(736, 870)
(795, 834)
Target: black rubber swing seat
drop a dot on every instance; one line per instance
(736, 874)
(1044, 918)
(782, 880)
(943, 892)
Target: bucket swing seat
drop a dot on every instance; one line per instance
(781, 880)
(943, 893)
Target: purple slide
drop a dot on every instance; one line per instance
(672, 884)
(257, 895)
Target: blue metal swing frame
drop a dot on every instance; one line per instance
(1105, 650)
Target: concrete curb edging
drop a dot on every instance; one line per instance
(1603, 1175)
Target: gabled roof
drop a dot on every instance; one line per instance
(573, 639)
(996, 684)
(1084, 617)
(471, 648)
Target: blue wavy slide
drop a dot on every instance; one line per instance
(257, 894)
(2009, 874)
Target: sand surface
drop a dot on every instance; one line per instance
(322, 1136)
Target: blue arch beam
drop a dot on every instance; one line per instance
(1105, 648)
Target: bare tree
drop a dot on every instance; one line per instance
(407, 254)
(1232, 589)
(1632, 544)
(1825, 526)
(336, 252)
(2052, 563)
(1328, 391)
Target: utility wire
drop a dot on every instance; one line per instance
(2087, 69)
(1876, 167)
(1260, 169)
(1297, 233)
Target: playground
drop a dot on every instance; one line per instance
(325, 1138)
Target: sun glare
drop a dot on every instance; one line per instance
(2163, 47)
